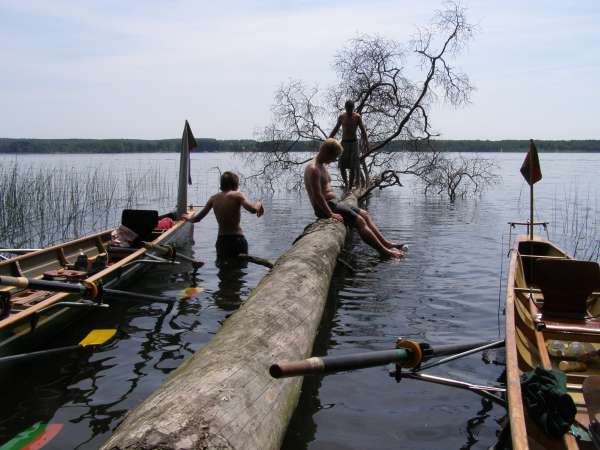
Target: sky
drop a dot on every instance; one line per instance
(140, 68)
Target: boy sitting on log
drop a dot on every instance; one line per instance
(317, 182)
(227, 205)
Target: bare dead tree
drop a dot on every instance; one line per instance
(460, 176)
(373, 72)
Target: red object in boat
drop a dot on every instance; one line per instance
(165, 223)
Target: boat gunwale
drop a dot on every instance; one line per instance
(53, 248)
(23, 315)
(516, 411)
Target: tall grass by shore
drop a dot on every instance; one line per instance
(43, 206)
(575, 220)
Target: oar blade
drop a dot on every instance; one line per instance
(190, 292)
(98, 337)
(33, 438)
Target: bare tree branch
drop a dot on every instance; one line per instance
(396, 110)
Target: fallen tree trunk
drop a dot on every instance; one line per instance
(223, 397)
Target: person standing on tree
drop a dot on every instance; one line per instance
(350, 159)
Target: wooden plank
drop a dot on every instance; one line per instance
(513, 375)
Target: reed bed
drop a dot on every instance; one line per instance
(43, 206)
(577, 223)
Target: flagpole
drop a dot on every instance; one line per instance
(531, 212)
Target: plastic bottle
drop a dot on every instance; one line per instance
(575, 350)
(556, 348)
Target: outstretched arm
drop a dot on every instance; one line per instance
(336, 128)
(255, 208)
(363, 134)
(202, 214)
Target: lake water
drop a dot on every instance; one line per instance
(446, 291)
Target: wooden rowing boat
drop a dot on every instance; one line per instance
(552, 311)
(35, 314)
(28, 316)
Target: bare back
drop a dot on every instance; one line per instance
(226, 206)
(349, 124)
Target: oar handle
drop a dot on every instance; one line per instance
(85, 289)
(329, 364)
(46, 285)
(20, 282)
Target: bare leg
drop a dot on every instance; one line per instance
(365, 215)
(344, 177)
(367, 235)
(351, 185)
(356, 172)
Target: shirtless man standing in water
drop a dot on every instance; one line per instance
(227, 205)
(350, 159)
(318, 186)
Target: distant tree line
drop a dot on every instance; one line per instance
(23, 146)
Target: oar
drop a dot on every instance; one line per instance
(168, 252)
(591, 394)
(413, 353)
(86, 289)
(256, 260)
(93, 339)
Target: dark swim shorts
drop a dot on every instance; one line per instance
(349, 213)
(231, 245)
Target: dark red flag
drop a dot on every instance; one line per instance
(531, 170)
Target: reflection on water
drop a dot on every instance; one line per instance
(444, 292)
(231, 284)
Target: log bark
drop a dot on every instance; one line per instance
(223, 396)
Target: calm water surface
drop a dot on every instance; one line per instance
(446, 291)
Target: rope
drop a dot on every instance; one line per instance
(500, 281)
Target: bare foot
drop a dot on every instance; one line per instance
(402, 247)
(393, 253)
(397, 253)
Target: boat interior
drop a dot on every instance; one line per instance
(557, 319)
(75, 260)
